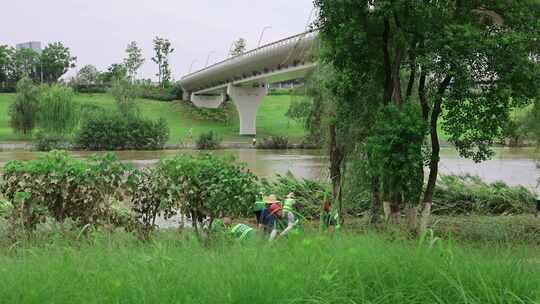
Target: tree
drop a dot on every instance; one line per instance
(58, 111)
(114, 72)
(163, 49)
(125, 93)
(239, 47)
(56, 60)
(134, 59)
(6, 59)
(467, 60)
(87, 75)
(25, 62)
(23, 111)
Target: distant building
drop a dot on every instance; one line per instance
(34, 45)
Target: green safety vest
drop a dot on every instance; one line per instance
(259, 205)
(288, 205)
(243, 231)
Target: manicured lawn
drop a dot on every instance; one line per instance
(271, 118)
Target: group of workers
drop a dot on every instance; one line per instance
(277, 219)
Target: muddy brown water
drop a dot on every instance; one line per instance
(513, 166)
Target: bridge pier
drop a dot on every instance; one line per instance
(208, 101)
(247, 100)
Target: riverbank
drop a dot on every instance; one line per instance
(352, 268)
(181, 117)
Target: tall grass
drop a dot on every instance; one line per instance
(349, 269)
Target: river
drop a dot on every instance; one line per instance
(514, 166)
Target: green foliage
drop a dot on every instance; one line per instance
(395, 151)
(56, 60)
(44, 141)
(150, 91)
(124, 94)
(470, 195)
(208, 141)
(87, 75)
(238, 47)
(114, 72)
(24, 110)
(274, 142)
(299, 110)
(63, 187)
(134, 59)
(209, 186)
(355, 268)
(58, 111)
(162, 49)
(115, 131)
(309, 194)
(150, 197)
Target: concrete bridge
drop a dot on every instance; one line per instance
(245, 78)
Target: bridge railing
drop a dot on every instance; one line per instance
(258, 50)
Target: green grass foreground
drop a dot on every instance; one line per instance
(359, 268)
(271, 120)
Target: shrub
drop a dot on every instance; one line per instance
(470, 195)
(114, 131)
(222, 114)
(24, 110)
(274, 142)
(150, 196)
(49, 141)
(208, 141)
(124, 94)
(209, 186)
(90, 88)
(63, 187)
(150, 91)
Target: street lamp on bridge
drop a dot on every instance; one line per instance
(191, 66)
(208, 58)
(262, 33)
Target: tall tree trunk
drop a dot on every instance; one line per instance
(435, 155)
(377, 202)
(388, 85)
(336, 157)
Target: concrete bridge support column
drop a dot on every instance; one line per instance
(247, 100)
(208, 101)
(186, 96)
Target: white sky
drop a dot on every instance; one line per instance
(97, 31)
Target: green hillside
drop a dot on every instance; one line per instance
(271, 118)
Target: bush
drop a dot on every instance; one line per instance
(274, 142)
(62, 187)
(208, 141)
(222, 114)
(149, 91)
(114, 131)
(470, 195)
(49, 141)
(90, 88)
(208, 186)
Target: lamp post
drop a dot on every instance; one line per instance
(208, 58)
(191, 66)
(262, 33)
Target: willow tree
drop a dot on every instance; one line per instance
(58, 111)
(403, 62)
(23, 111)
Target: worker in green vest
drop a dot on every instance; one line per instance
(289, 215)
(258, 208)
(330, 217)
(239, 231)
